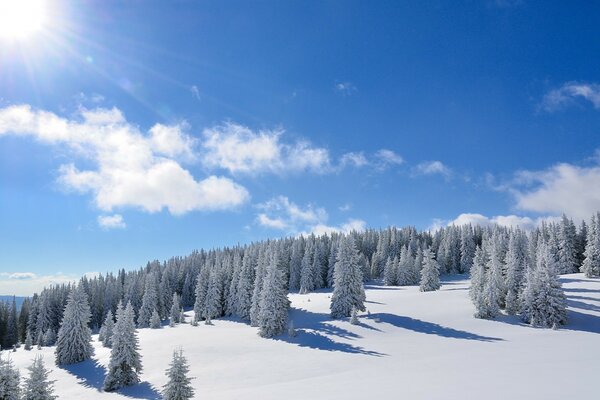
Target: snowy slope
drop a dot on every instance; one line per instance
(413, 345)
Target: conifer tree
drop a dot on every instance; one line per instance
(11, 335)
(348, 289)
(354, 317)
(306, 268)
(179, 385)
(591, 262)
(125, 363)
(155, 320)
(258, 285)
(74, 337)
(213, 303)
(493, 290)
(467, 249)
(274, 303)
(106, 331)
(149, 302)
(175, 310)
(390, 271)
(28, 340)
(478, 276)
(9, 380)
(430, 273)
(37, 385)
(246, 286)
(515, 264)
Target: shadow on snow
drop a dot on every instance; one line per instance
(91, 374)
(429, 328)
(314, 330)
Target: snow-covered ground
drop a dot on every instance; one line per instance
(413, 345)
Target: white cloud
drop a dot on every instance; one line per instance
(502, 220)
(355, 159)
(21, 275)
(345, 207)
(386, 157)
(562, 188)
(282, 214)
(30, 283)
(432, 168)
(345, 88)
(351, 225)
(240, 150)
(195, 92)
(132, 169)
(111, 221)
(566, 95)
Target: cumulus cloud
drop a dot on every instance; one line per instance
(432, 168)
(21, 275)
(568, 93)
(111, 221)
(523, 222)
(130, 168)
(240, 150)
(386, 157)
(282, 214)
(562, 188)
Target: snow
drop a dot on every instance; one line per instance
(413, 345)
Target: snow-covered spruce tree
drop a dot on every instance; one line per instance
(125, 364)
(390, 271)
(591, 262)
(493, 290)
(545, 305)
(306, 268)
(107, 329)
(37, 385)
(515, 269)
(404, 267)
(213, 301)
(246, 286)
(149, 301)
(201, 288)
(28, 340)
(348, 289)
(74, 337)
(11, 335)
(175, 310)
(567, 246)
(296, 263)
(258, 285)
(478, 276)
(430, 273)
(155, 320)
(354, 316)
(274, 303)
(179, 385)
(9, 380)
(49, 337)
(467, 249)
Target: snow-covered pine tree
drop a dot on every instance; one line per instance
(11, 335)
(28, 340)
(547, 302)
(175, 310)
(179, 385)
(74, 337)
(296, 263)
(37, 385)
(201, 288)
(430, 273)
(246, 286)
(478, 276)
(155, 320)
(274, 303)
(390, 272)
(306, 267)
(107, 329)
(354, 316)
(125, 363)
(258, 285)
(494, 289)
(213, 303)
(467, 249)
(404, 267)
(9, 380)
(348, 289)
(515, 269)
(567, 246)
(591, 262)
(149, 301)
(49, 337)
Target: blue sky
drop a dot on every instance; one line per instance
(132, 131)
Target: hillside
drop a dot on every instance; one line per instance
(414, 345)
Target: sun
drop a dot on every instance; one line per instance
(19, 19)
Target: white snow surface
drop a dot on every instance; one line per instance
(413, 345)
